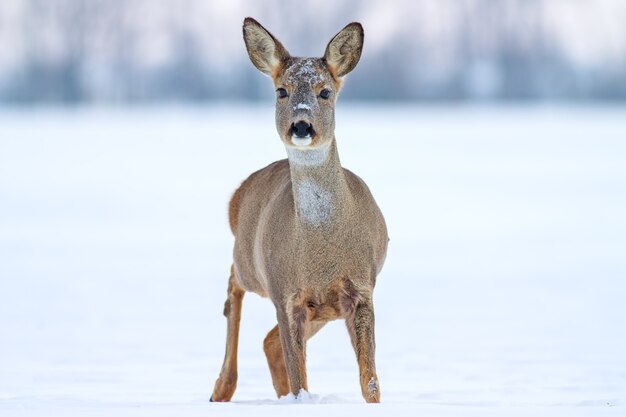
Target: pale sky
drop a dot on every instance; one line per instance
(591, 32)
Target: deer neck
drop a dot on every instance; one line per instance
(319, 187)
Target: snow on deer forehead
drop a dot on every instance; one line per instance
(309, 70)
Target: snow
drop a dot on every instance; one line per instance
(304, 70)
(502, 293)
(303, 397)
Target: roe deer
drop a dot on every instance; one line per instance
(308, 233)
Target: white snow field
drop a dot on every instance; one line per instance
(503, 294)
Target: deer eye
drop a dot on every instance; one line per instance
(282, 93)
(325, 94)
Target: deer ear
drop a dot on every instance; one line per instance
(264, 50)
(344, 50)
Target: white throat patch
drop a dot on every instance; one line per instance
(313, 202)
(309, 157)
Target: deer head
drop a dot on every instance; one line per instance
(306, 88)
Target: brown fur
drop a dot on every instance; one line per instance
(265, 51)
(308, 233)
(344, 50)
(274, 353)
(227, 382)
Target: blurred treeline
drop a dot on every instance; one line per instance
(75, 51)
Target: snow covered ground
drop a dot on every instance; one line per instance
(503, 294)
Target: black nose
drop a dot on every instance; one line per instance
(301, 129)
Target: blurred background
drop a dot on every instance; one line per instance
(491, 133)
(119, 51)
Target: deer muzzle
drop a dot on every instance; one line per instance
(301, 129)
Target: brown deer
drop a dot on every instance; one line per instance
(308, 233)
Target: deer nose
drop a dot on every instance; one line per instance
(301, 129)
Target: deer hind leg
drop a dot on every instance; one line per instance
(361, 329)
(276, 362)
(227, 380)
(275, 358)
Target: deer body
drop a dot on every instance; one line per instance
(308, 233)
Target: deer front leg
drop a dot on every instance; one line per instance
(227, 381)
(291, 325)
(361, 329)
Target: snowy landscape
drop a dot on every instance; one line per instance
(503, 293)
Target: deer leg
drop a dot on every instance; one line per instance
(227, 380)
(361, 329)
(274, 354)
(291, 328)
(275, 359)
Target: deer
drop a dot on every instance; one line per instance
(308, 232)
